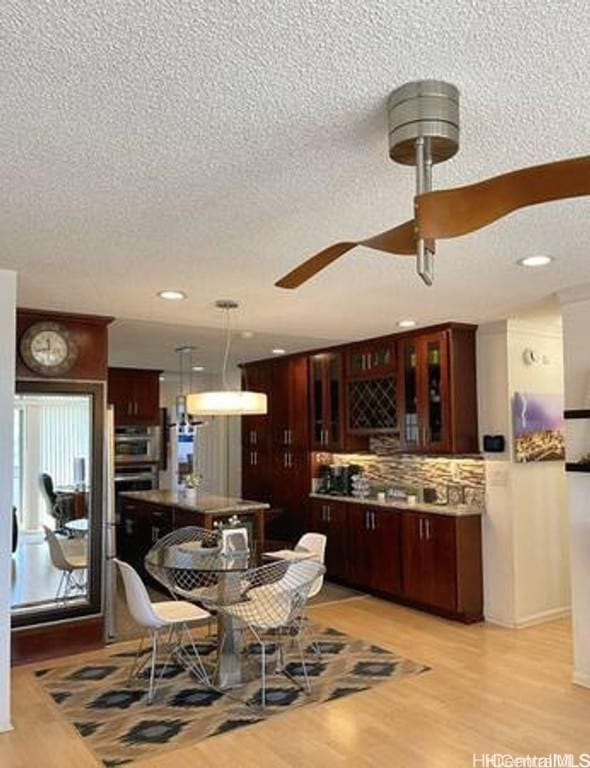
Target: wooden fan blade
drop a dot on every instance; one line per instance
(313, 265)
(397, 240)
(452, 212)
(400, 239)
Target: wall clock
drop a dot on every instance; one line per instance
(48, 348)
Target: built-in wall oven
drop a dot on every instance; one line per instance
(134, 445)
(136, 477)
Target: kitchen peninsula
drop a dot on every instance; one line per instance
(146, 516)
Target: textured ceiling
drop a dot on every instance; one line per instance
(147, 144)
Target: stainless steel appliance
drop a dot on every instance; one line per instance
(134, 445)
(137, 477)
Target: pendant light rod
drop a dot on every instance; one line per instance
(226, 401)
(227, 305)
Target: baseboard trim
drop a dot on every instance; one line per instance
(531, 621)
(581, 678)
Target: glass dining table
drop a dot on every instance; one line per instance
(212, 578)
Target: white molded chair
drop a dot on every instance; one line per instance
(273, 611)
(71, 558)
(173, 615)
(311, 546)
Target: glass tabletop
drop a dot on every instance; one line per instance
(192, 556)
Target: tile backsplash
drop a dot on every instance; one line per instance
(455, 480)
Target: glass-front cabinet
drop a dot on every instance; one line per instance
(376, 358)
(424, 400)
(325, 370)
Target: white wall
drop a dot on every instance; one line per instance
(525, 530)
(7, 358)
(576, 322)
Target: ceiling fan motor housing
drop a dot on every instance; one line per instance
(426, 109)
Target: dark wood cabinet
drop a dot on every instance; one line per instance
(326, 406)
(275, 457)
(289, 403)
(331, 518)
(375, 549)
(257, 437)
(291, 481)
(371, 388)
(442, 563)
(140, 526)
(371, 358)
(135, 395)
(437, 402)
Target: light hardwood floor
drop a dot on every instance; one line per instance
(490, 690)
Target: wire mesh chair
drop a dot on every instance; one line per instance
(310, 545)
(272, 609)
(183, 562)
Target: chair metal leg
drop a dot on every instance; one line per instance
(263, 662)
(154, 636)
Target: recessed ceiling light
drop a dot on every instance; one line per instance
(198, 368)
(172, 295)
(406, 323)
(534, 261)
(278, 351)
(246, 334)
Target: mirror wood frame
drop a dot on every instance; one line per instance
(93, 605)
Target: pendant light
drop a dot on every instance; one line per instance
(226, 402)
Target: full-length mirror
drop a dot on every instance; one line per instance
(57, 496)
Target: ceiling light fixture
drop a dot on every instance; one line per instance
(278, 351)
(534, 261)
(198, 368)
(172, 295)
(406, 323)
(226, 402)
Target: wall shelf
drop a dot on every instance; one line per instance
(577, 413)
(577, 440)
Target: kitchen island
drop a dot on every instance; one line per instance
(146, 516)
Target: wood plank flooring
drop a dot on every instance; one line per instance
(489, 690)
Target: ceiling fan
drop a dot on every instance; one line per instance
(424, 130)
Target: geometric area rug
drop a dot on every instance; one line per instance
(119, 727)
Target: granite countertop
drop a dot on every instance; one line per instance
(198, 502)
(461, 510)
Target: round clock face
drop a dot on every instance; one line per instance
(48, 348)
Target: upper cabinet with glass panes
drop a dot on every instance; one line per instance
(437, 394)
(374, 358)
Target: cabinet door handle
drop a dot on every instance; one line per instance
(427, 521)
(373, 520)
(256, 458)
(155, 534)
(367, 525)
(420, 523)
(254, 437)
